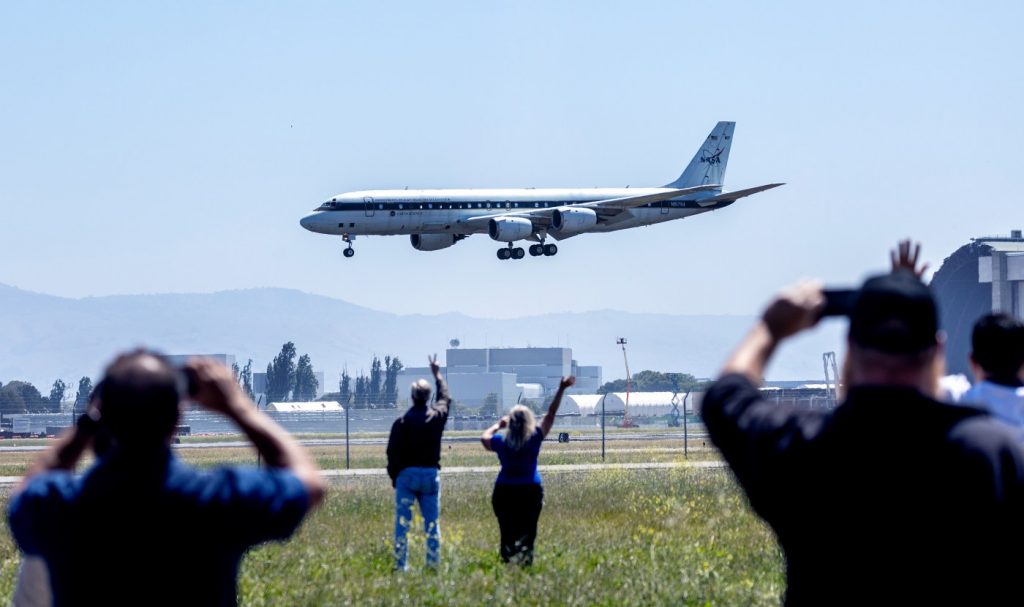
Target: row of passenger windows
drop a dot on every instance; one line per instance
(471, 205)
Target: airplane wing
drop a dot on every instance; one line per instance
(734, 196)
(610, 206)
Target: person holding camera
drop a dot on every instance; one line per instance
(141, 527)
(518, 494)
(414, 465)
(892, 497)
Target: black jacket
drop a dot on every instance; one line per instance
(415, 440)
(892, 498)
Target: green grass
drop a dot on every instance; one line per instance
(609, 537)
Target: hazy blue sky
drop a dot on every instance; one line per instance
(158, 147)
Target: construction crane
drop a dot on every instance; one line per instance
(626, 421)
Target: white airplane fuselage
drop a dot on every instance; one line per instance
(437, 219)
(394, 212)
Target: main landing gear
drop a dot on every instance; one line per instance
(543, 249)
(349, 251)
(511, 252)
(536, 250)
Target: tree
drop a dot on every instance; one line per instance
(345, 387)
(306, 384)
(360, 400)
(21, 397)
(57, 392)
(392, 367)
(245, 379)
(281, 374)
(235, 370)
(489, 408)
(83, 395)
(652, 381)
(376, 377)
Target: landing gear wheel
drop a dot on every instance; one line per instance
(550, 249)
(536, 250)
(518, 253)
(504, 253)
(349, 252)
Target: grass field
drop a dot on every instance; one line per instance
(608, 537)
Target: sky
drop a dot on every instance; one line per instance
(173, 147)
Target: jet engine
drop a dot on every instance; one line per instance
(433, 242)
(510, 229)
(569, 220)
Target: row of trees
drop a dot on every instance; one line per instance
(653, 381)
(378, 389)
(22, 397)
(287, 380)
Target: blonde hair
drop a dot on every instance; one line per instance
(521, 426)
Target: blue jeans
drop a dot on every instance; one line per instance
(422, 485)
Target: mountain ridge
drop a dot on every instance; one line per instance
(45, 337)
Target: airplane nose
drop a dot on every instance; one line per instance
(308, 222)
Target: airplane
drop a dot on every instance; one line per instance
(438, 218)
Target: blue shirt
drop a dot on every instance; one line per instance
(518, 467)
(151, 530)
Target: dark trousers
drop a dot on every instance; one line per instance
(518, 509)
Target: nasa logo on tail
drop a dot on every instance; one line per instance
(707, 157)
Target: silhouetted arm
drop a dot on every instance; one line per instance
(218, 391)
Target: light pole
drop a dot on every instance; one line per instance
(626, 421)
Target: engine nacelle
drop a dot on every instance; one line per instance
(510, 229)
(432, 242)
(568, 220)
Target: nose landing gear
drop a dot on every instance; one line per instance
(349, 251)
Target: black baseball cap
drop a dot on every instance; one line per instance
(894, 313)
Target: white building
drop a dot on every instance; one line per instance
(307, 407)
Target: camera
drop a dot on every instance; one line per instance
(839, 302)
(190, 381)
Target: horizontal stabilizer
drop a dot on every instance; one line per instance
(734, 196)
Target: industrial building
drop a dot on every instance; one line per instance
(510, 374)
(985, 275)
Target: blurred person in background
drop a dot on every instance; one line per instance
(997, 362)
(518, 495)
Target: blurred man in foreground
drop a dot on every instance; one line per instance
(140, 527)
(893, 497)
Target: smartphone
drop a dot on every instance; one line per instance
(838, 302)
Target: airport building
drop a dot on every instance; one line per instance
(510, 374)
(985, 275)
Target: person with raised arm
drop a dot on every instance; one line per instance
(518, 493)
(414, 465)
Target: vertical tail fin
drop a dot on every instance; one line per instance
(708, 165)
